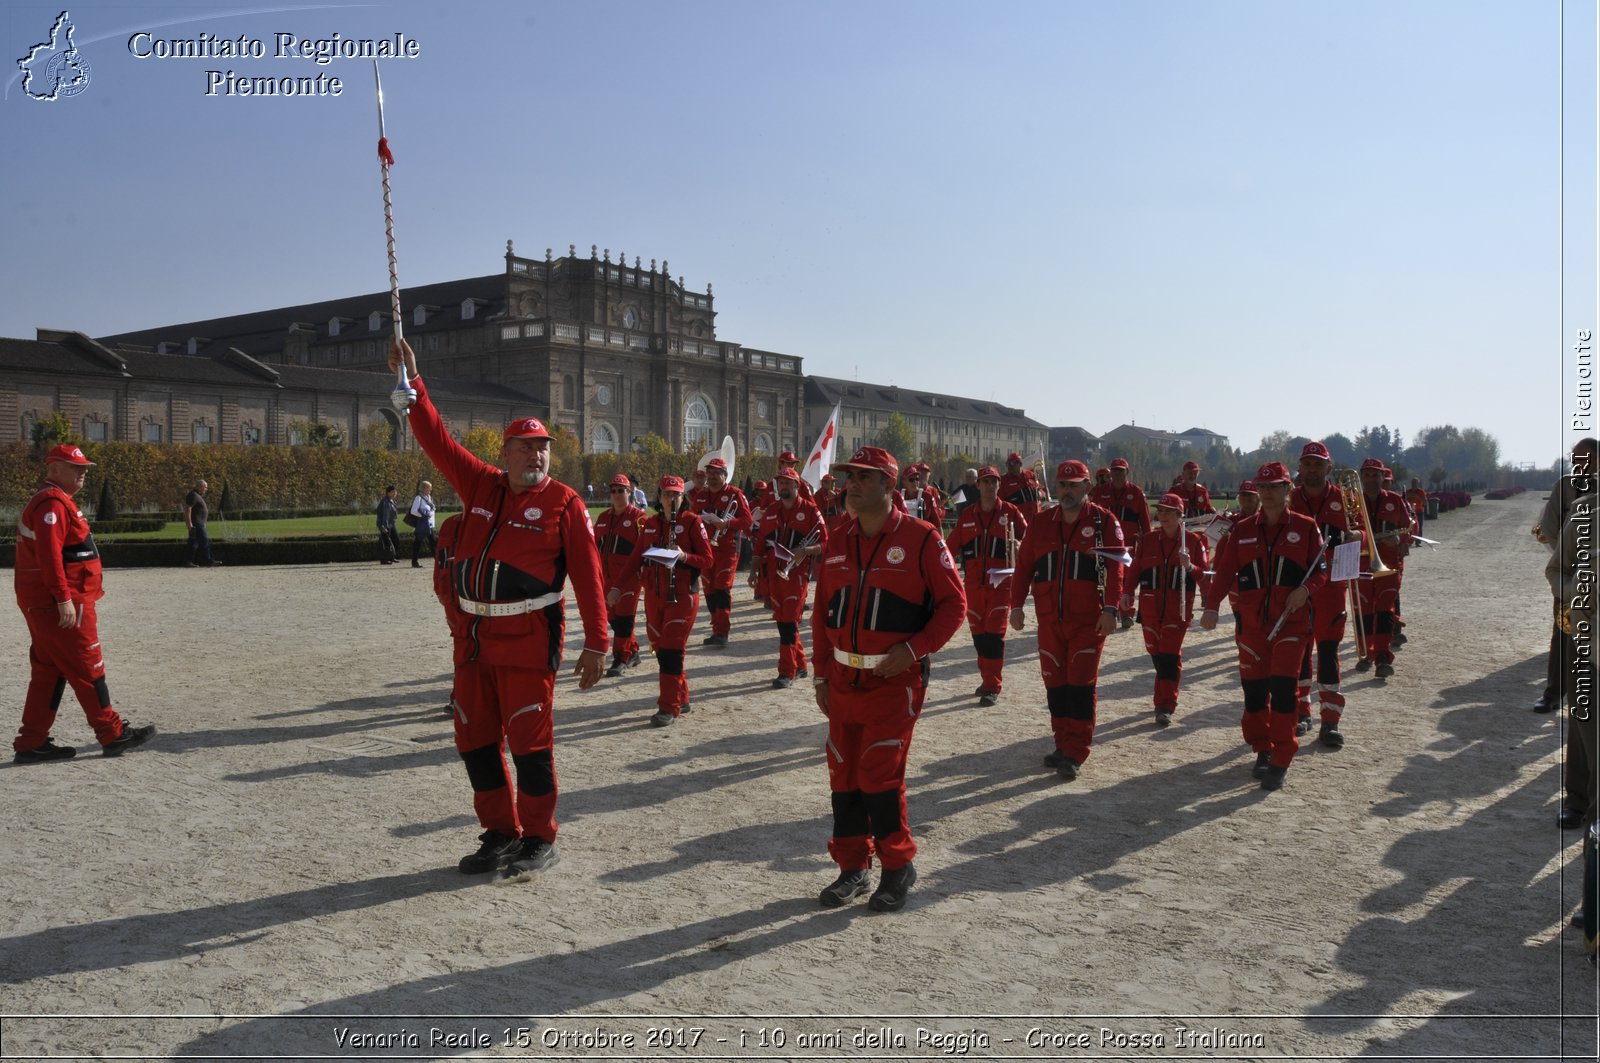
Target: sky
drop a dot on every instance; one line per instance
(1246, 216)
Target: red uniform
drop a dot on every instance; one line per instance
(1196, 499)
(979, 543)
(671, 597)
(1380, 595)
(729, 502)
(1132, 510)
(874, 593)
(57, 561)
(1068, 600)
(923, 504)
(1021, 489)
(616, 535)
(1264, 565)
(1328, 608)
(793, 530)
(829, 501)
(516, 551)
(1167, 584)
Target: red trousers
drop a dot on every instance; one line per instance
(788, 602)
(1379, 598)
(667, 625)
(869, 735)
(60, 657)
(988, 609)
(1268, 672)
(718, 583)
(1163, 641)
(624, 617)
(1321, 658)
(499, 708)
(1069, 658)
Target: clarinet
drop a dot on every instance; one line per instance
(671, 525)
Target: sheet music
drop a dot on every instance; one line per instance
(1346, 561)
(661, 556)
(998, 576)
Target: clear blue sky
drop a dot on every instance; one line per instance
(1244, 215)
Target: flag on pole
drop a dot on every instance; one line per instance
(821, 459)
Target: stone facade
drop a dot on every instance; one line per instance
(948, 425)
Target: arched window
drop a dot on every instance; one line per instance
(604, 440)
(569, 393)
(699, 423)
(764, 444)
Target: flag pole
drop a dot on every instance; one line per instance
(403, 394)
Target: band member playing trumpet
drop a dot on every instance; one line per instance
(1020, 487)
(1318, 498)
(1070, 563)
(1274, 560)
(887, 597)
(1125, 500)
(616, 531)
(985, 541)
(1168, 566)
(918, 498)
(1388, 520)
(726, 514)
(681, 553)
(791, 533)
(1196, 499)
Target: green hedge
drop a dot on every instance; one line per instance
(263, 552)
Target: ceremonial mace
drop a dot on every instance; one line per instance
(403, 394)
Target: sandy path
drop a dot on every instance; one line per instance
(284, 851)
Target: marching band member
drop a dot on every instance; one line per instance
(985, 538)
(726, 515)
(1274, 560)
(1379, 596)
(1319, 499)
(1168, 566)
(1126, 502)
(1076, 587)
(1020, 487)
(796, 526)
(615, 532)
(1196, 499)
(887, 598)
(671, 590)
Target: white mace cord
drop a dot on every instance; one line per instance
(403, 394)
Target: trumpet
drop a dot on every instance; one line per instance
(795, 556)
(1355, 505)
(726, 515)
(1011, 541)
(1043, 477)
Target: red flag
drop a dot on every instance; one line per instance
(384, 155)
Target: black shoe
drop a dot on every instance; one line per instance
(1263, 761)
(1054, 759)
(1163, 719)
(1330, 736)
(1383, 671)
(633, 662)
(1399, 639)
(416, 564)
(988, 697)
(48, 751)
(131, 736)
(492, 855)
(1273, 779)
(1302, 727)
(532, 856)
(783, 682)
(1547, 705)
(714, 641)
(1067, 769)
(1364, 664)
(802, 674)
(1127, 622)
(616, 669)
(980, 692)
(1577, 920)
(890, 896)
(844, 889)
(1569, 818)
(663, 719)
(683, 710)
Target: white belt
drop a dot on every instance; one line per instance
(527, 605)
(859, 660)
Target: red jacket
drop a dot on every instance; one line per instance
(789, 528)
(875, 593)
(615, 534)
(929, 507)
(729, 501)
(515, 545)
(979, 540)
(1021, 490)
(1196, 499)
(57, 560)
(1389, 513)
(1063, 567)
(683, 579)
(1128, 504)
(1156, 570)
(1264, 564)
(1326, 509)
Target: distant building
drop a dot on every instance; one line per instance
(221, 397)
(985, 432)
(1068, 444)
(1201, 439)
(609, 350)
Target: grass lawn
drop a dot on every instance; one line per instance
(340, 527)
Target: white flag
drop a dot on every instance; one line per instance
(821, 459)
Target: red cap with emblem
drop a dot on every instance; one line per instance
(1068, 471)
(1273, 472)
(718, 464)
(671, 483)
(1170, 501)
(1373, 463)
(68, 453)
(787, 474)
(988, 472)
(1191, 466)
(1315, 449)
(874, 458)
(1013, 457)
(526, 428)
(788, 456)
(620, 480)
(1248, 487)
(1119, 463)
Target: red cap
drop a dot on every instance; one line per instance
(1191, 466)
(1373, 463)
(875, 458)
(788, 455)
(1069, 471)
(619, 480)
(1248, 487)
(1119, 463)
(760, 485)
(1315, 449)
(826, 476)
(68, 453)
(787, 474)
(716, 463)
(1170, 501)
(988, 472)
(1273, 472)
(1013, 457)
(526, 428)
(671, 483)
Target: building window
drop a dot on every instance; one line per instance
(150, 431)
(419, 315)
(372, 350)
(297, 434)
(604, 440)
(699, 424)
(602, 394)
(249, 433)
(431, 343)
(763, 444)
(201, 432)
(94, 431)
(630, 318)
(469, 307)
(374, 321)
(761, 409)
(569, 393)
(333, 326)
